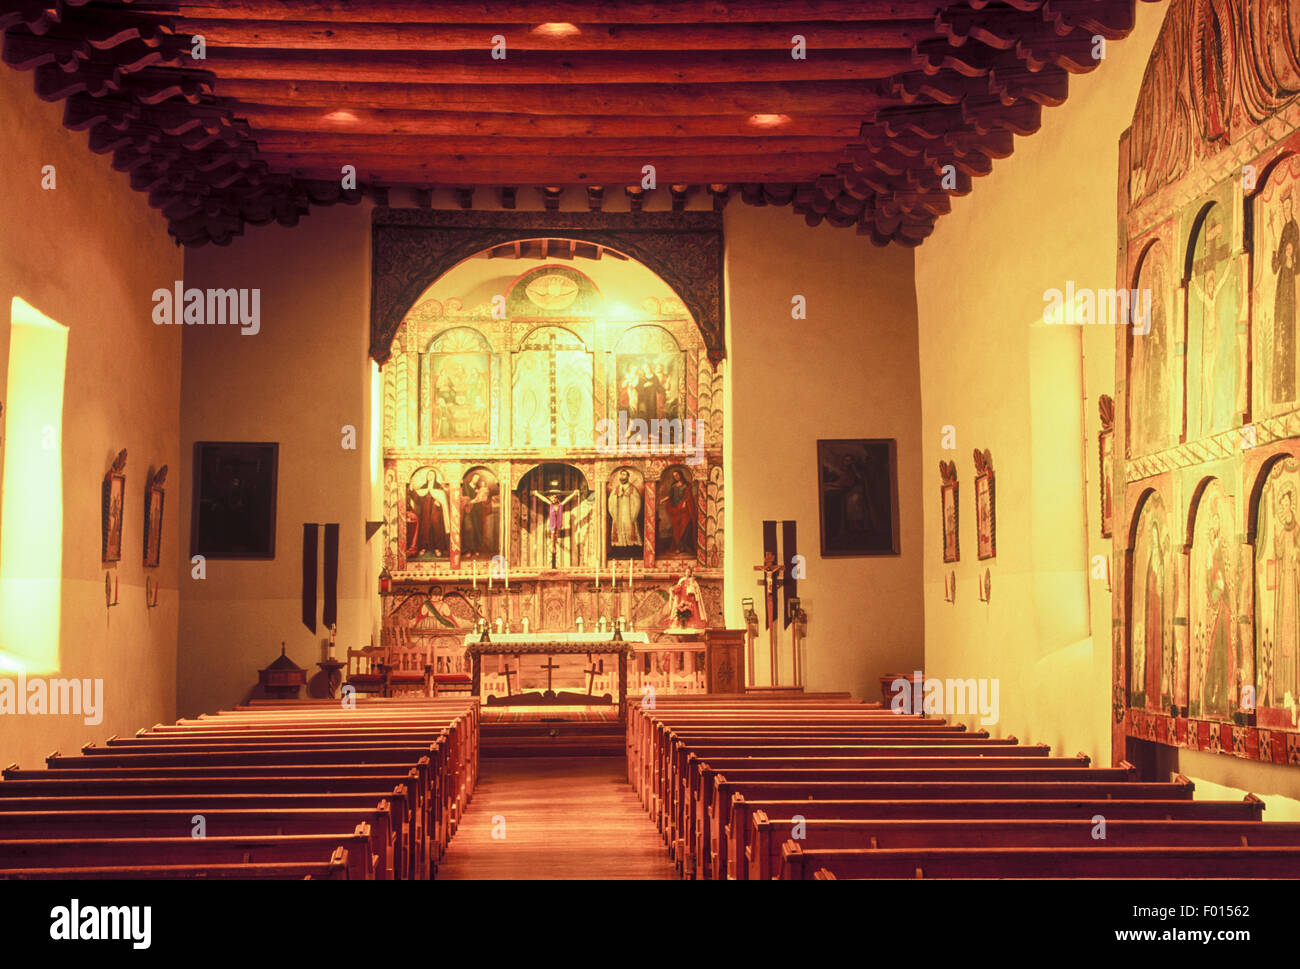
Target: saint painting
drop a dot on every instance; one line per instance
(1212, 607)
(649, 385)
(428, 517)
(1214, 299)
(1277, 595)
(625, 502)
(858, 487)
(1151, 373)
(1277, 279)
(479, 514)
(459, 402)
(677, 519)
(1151, 606)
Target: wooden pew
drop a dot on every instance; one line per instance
(712, 855)
(334, 869)
(768, 837)
(127, 852)
(1057, 862)
(741, 853)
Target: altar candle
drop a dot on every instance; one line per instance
(578, 622)
(500, 624)
(525, 624)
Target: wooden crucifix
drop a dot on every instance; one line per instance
(550, 668)
(591, 671)
(507, 672)
(555, 517)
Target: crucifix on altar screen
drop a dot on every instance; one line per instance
(555, 517)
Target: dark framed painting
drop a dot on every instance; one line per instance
(986, 525)
(948, 497)
(857, 492)
(153, 518)
(234, 500)
(114, 500)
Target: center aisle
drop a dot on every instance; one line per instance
(563, 817)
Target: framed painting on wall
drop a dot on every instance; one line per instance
(234, 500)
(985, 510)
(114, 497)
(948, 495)
(153, 518)
(857, 493)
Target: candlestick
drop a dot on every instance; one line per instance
(578, 623)
(500, 624)
(473, 566)
(613, 574)
(525, 625)
(629, 576)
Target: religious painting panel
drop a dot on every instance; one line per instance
(234, 500)
(153, 517)
(530, 409)
(986, 524)
(575, 408)
(480, 515)
(553, 291)
(1277, 595)
(555, 506)
(857, 490)
(1276, 286)
(948, 504)
(1151, 605)
(427, 516)
(625, 505)
(1155, 404)
(456, 388)
(1215, 330)
(650, 368)
(677, 514)
(1214, 673)
(114, 499)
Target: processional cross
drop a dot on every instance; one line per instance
(773, 573)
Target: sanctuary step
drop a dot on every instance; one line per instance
(553, 738)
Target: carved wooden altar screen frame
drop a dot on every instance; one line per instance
(1212, 143)
(412, 250)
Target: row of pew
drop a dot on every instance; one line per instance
(819, 786)
(272, 790)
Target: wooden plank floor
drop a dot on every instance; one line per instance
(564, 818)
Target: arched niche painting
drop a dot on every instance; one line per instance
(1214, 353)
(677, 514)
(625, 511)
(1277, 596)
(553, 381)
(1277, 285)
(1212, 607)
(456, 388)
(649, 366)
(552, 291)
(1154, 406)
(1152, 605)
(555, 511)
(480, 514)
(428, 516)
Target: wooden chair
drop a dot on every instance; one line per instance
(410, 664)
(366, 672)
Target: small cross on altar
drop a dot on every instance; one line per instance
(591, 673)
(550, 667)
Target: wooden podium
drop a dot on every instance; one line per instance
(724, 655)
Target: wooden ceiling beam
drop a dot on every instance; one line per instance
(546, 67)
(650, 149)
(569, 11)
(392, 121)
(558, 170)
(626, 38)
(621, 100)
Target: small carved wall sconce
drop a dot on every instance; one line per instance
(151, 588)
(950, 587)
(986, 586)
(110, 588)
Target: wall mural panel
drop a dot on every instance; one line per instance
(1209, 408)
